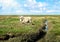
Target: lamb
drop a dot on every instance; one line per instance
(25, 19)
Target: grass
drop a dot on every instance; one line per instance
(55, 31)
(13, 25)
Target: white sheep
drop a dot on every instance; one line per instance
(25, 19)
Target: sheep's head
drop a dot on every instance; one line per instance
(21, 18)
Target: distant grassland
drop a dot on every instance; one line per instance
(12, 24)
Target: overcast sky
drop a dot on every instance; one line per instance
(36, 7)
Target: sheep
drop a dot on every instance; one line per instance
(21, 18)
(25, 19)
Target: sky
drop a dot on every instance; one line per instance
(29, 7)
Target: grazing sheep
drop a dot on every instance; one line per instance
(25, 19)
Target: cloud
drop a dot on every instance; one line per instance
(42, 4)
(9, 6)
(53, 8)
(31, 3)
(29, 6)
(53, 11)
(19, 11)
(48, 11)
(35, 11)
(8, 3)
(34, 6)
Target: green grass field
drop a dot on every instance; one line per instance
(11, 24)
